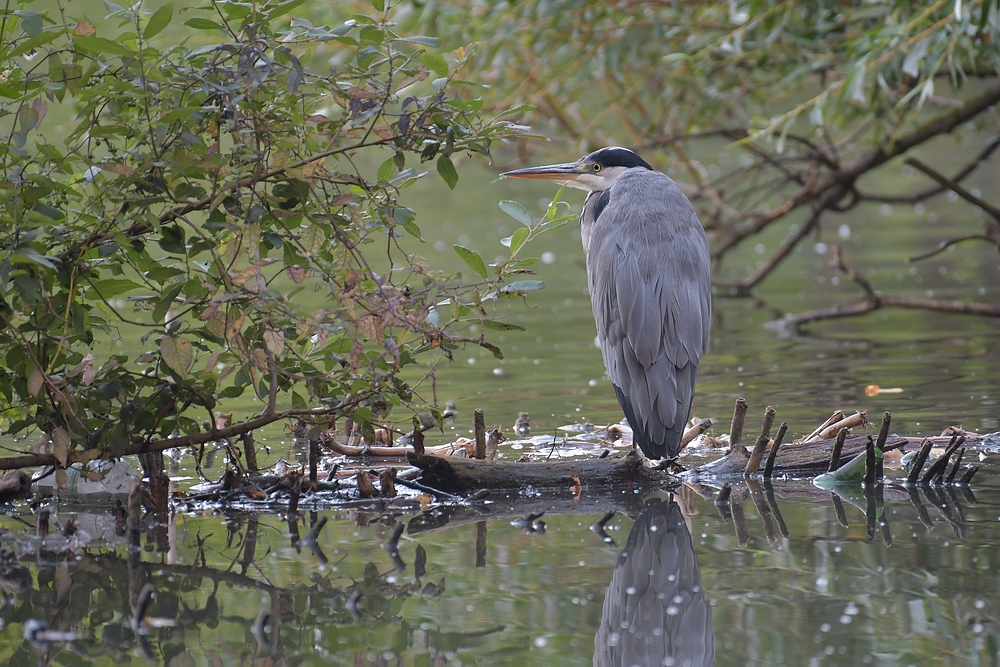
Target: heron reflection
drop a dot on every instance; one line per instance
(655, 611)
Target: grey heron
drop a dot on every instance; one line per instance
(648, 270)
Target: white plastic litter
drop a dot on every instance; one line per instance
(117, 480)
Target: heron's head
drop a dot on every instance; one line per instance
(593, 172)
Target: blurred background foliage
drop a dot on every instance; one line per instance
(771, 114)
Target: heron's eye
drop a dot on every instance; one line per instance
(596, 168)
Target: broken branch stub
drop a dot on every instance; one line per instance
(736, 428)
(753, 464)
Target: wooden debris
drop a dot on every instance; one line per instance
(801, 459)
(736, 428)
(387, 482)
(365, 487)
(918, 464)
(838, 446)
(480, 430)
(773, 454)
(832, 419)
(493, 440)
(857, 419)
(753, 463)
(694, 431)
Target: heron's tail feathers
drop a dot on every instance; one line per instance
(654, 449)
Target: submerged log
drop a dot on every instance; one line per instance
(467, 475)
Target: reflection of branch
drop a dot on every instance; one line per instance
(874, 301)
(955, 187)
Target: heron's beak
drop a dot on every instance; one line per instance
(560, 173)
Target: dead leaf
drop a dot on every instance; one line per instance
(84, 29)
(84, 456)
(177, 353)
(296, 273)
(117, 168)
(344, 200)
(312, 169)
(60, 445)
(43, 445)
(35, 382)
(274, 340)
(259, 358)
(575, 487)
(62, 479)
(359, 94)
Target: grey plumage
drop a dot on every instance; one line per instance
(648, 269)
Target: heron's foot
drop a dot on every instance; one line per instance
(672, 466)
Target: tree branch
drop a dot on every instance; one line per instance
(956, 188)
(849, 174)
(34, 460)
(873, 301)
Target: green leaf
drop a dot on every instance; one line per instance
(517, 239)
(435, 63)
(516, 211)
(523, 286)
(158, 21)
(501, 326)
(96, 45)
(114, 286)
(432, 42)
(379, 5)
(386, 170)
(203, 24)
(31, 22)
(31, 256)
(178, 354)
(284, 8)
(473, 259)
(552, 225)
(447, 171)
(497, 352)
(164, 304)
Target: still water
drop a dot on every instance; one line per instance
(793, 584)
(787, 577)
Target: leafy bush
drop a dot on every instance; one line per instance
(202, 187)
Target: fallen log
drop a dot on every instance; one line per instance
(804, 458)
(467, 475)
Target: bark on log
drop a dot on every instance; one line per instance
(465, 475)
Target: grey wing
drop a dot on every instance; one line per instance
(649, 275)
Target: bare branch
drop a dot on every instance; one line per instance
(956, 188)
(947, 243)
